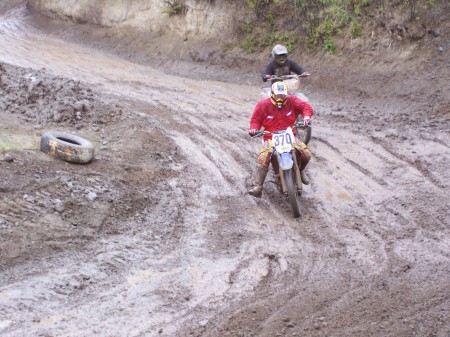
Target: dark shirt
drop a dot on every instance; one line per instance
(287, 68)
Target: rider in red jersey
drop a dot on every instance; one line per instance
(273, 114)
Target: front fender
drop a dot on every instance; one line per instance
(286, 161)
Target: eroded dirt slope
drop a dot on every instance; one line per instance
(157, 236)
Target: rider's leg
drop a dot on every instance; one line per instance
(305, 156)
(260, 176)
(264, 157)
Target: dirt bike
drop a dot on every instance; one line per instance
(293, 84)
(284, 164)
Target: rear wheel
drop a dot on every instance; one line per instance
(304, 134)
(292, 192)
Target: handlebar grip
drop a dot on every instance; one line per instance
(301, 125)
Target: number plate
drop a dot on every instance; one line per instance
(283, 142)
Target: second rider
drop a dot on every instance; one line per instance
(281, 65)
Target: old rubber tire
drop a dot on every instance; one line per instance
(67, 147)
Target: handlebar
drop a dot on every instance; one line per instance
(287, 77)
(261, 133)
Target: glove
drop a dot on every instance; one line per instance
(252, 132)
(266, 77)
(304, 74)
(307, 121)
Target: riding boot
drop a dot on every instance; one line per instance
(261, 174)
(305, 159)
(305, 179)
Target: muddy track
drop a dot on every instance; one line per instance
(157, 237)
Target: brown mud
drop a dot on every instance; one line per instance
(158, 237)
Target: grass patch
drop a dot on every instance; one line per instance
(12, 140)
(7, 146)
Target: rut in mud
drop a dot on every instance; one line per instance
(158, 237)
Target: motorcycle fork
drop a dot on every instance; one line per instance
(298, 179)
(281, 174)
(275, 165)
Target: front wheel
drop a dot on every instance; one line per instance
(292, 192)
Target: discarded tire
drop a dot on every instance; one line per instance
(67, 147)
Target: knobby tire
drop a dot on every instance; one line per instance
(292, 192)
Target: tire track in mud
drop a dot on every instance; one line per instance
(440, 151)
(358, 187)
(379, 194)
(206, 251)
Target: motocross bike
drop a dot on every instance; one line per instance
(293, 84)
(285, 164)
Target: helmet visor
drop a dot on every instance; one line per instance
(279, 98)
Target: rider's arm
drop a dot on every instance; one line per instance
(301, 107)
(296, 68)
(256, 120)
(268, 71)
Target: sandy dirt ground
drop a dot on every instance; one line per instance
(158, 237)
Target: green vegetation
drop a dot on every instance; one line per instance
(415, 6)
(310, 23)
(6, 146)
(316, 23)
(174, 7)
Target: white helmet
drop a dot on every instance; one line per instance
(280, 54)
(279, 50)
